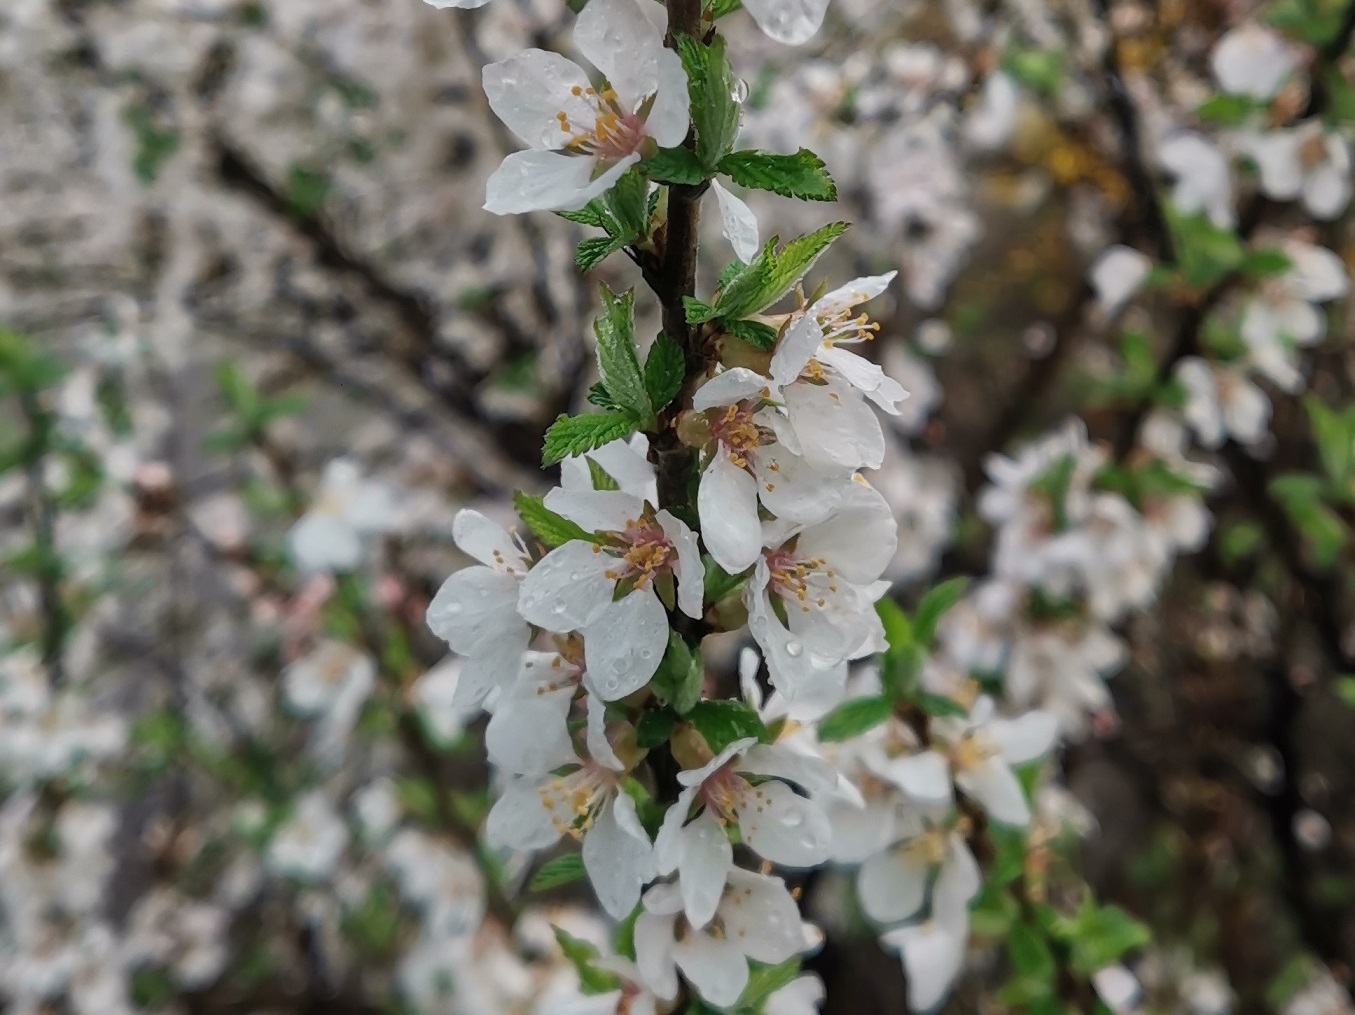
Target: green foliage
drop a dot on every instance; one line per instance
(552, 529)
(1265, 263)
(674, 165)
(772, 274)
(719, 583)
(755, 333)
(854, 717)
(1033, 966)
(723, 722)
(1205, 253)
(155, 144)
(563, 870)
(764, 981)
(623, 214)
(253, 412)
(802, 175)
(712, 86)
(374, 926)
(1334, 434)
(677, 682)
(665, 368)
(1302, 497)
(594, 250)
(600, 477)
(583, 956)
(1039, 69)
(573, 435)
(1315, 22)
(1098, 935)
(599, 395)
(307, 189)
(1230, 110)
(934, 605)
(617, 362)
(655, 727)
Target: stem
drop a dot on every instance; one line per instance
(676, 278)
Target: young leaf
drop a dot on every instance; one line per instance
(563, 870)
(755, 333)
(602, 479)
(854, 717)
(801, 175)
(583, 956)
(719, 583)
(679, 677)
(628, 205)
(934, 605)
(594, 250)
(674, 165)
(711, 84)
(591, 214)
(664, 369)
(573, 435)
(797, 258)
(617, 362)
(1205, 253)
(550, 528)
(723, 722)
(654, 727)
(764, 981)
(742, 294)
(602, 398)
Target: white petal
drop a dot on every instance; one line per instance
(321, 542)
(860, 538)
(624, 645)
(859, 832)
(690, 572)
(618, 860)
(618, 38)
(475, 610)
(923, 777)
(792, 22)
(814, 775)
(959, 881)
(626, 461)
(761, 917)
(696, 776)
(717, 969)
(668, 842)
(530, 89)
(802, 340)
(670, 116)
(726, 502)
(853, 294)
(521, 820)
(1117, 988)
(1117, 275)
(549, 181)
(567, 590)
(1278, 163)
(730, 388)
(1026, 737)
(1316, 274)
(463, 4)
(993, 784)
(793, 488)
(932, 956)
(495, 666)
(892, 885)
(836, 426)
(706, 857)
(486, 541)
(783, 827)
(1252, 60)
(529, 735)
(802, 996)
(654, 952)
(1246, 410)
(599, 747)
(596, 510)
(737, 223)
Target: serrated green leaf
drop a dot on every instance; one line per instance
(722, 722)
(627, 204)
(697, 311)
(677, 682)
(665, 368)
(934, 606)
(591, 214)
(594, 250)
(583, 956)
(618, 365)
(563, 870)
(1100, 935)
(655, 727)
(674, 165)
(755, 333)
(775, 273)
(601, 478)
(712, 86)
(1036, 68)
(854, 717)
(802, 175)
(573, 435)
(623, 938)
(602, 398)
(719, 8)
(552, 529)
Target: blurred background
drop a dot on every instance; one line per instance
(245, 280)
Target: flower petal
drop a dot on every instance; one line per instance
(567, 590)
(596, 510)
(690, 572)
(549, 181)
(715, 968)
(530, 90)
(761, 916)
(783, 827)
(522, 819)
(737, 223)
(624, 645)
(791, 22)
(892, 885)
(738, 384)
(706, 857)
(618, 860)
(475, 610)
(726, 502)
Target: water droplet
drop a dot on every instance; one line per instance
(453, 609)
(558, 608)
(575, 576)
(646, 653)
(794, 649)
(740, 93)
(794, 819)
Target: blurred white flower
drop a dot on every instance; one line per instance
(309, 843)
(347, 510)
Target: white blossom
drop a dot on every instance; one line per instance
(346, 512)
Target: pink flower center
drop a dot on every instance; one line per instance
(646, 553)
(614, 133)
(724, 794)
(739, 433)
(794, 579)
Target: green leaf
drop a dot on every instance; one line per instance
(617, 362)
(655, 727)
(1265, 263)
(573, 435)
(742, 294)
(719, 8)
(934, 606)
(719, 583)
(711, 85)
(591, 214)
(602, 479)
(1229, 110)
(674, 165)
(723, 722)
(594, 250)
(697, 311)
(1334, 434)
(665, 367)
(677, 682)
(764, 981)
(623, 939)
(1315, 22)
(1039, 69)
(628, 205)
(796, 259)
(602, 398)
(1205, 253)
(1100, 935)
(239, 394)
(854, 717)
(1029, 953)
(563, 870)
(583, 956)
(802, 175)
(755, 333)
(940, 706)
(550, 528)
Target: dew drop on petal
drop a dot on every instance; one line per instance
(558, 608)
(794, 649)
